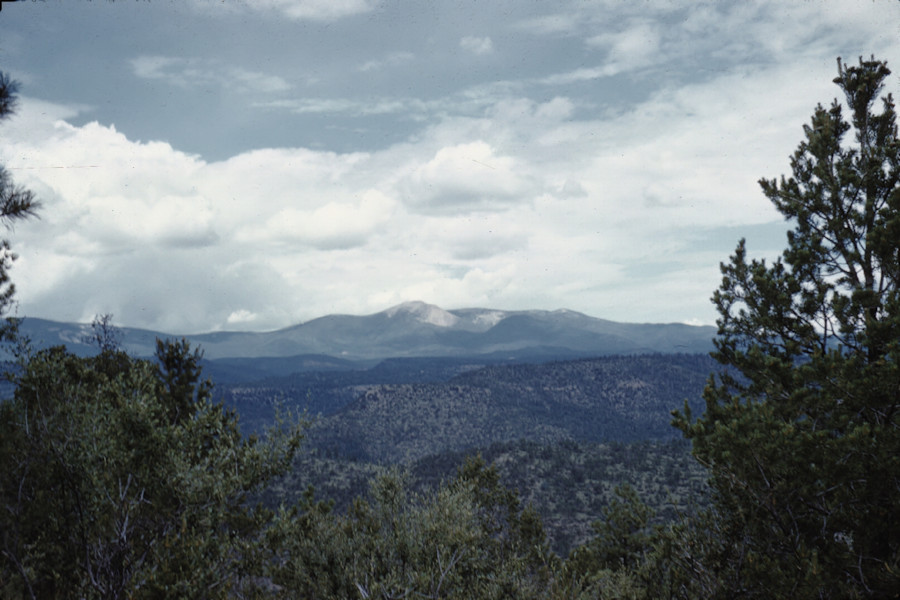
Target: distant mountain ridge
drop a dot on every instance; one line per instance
(414, 329)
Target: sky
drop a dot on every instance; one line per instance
(210, 165)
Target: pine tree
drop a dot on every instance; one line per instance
(103, 494)
(16, 202)
(801, 432)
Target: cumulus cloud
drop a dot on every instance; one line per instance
(147, 208)
(172, 221)
(527, 203)
(510, 194)
(466, 176)
(476, 239)
(335, 225)
(475, 211)
(237, 242)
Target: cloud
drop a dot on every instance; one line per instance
(522, 203)
(241, 317)
(466, 176)
(118, 200)
(509, 194)
(554, 24)
(126, 222)
(323, 11)
(477, 45)
(38, 119)
(634, 47)
(476, 238)
(394, 59)
(579, 75)
(628, 47)
(254, 81)
(333, 226)
(315, 10)
(153, 67)
(236, 242)
(193, 73)
(346, 106)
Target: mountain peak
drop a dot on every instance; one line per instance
(424, 313)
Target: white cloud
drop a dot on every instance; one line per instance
(335, 225)
(315, 10)
(580, 74)
(356, 108)
(153, 67)
(527, 204)
(189, 73)
(560, 23)
(394, 59)
(170, 221)
(509, 194)
(477, 45)
(631, 48)
(300, 10)
(241, 317)
(468, 176)
(40, 120)
(256, 82)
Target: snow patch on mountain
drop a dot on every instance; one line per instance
(489, 318)
(424, 313)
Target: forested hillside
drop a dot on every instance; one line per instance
(598, 400)
(570, 484)
(564, 434)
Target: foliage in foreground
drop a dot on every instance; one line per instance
(567, 483)
(16, 204)
(121, 479)
(804, 449)
(470, 538)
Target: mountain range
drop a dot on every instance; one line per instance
(411, 329)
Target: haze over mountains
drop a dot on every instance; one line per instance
(414, 329)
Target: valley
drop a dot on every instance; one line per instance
(563, 434)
